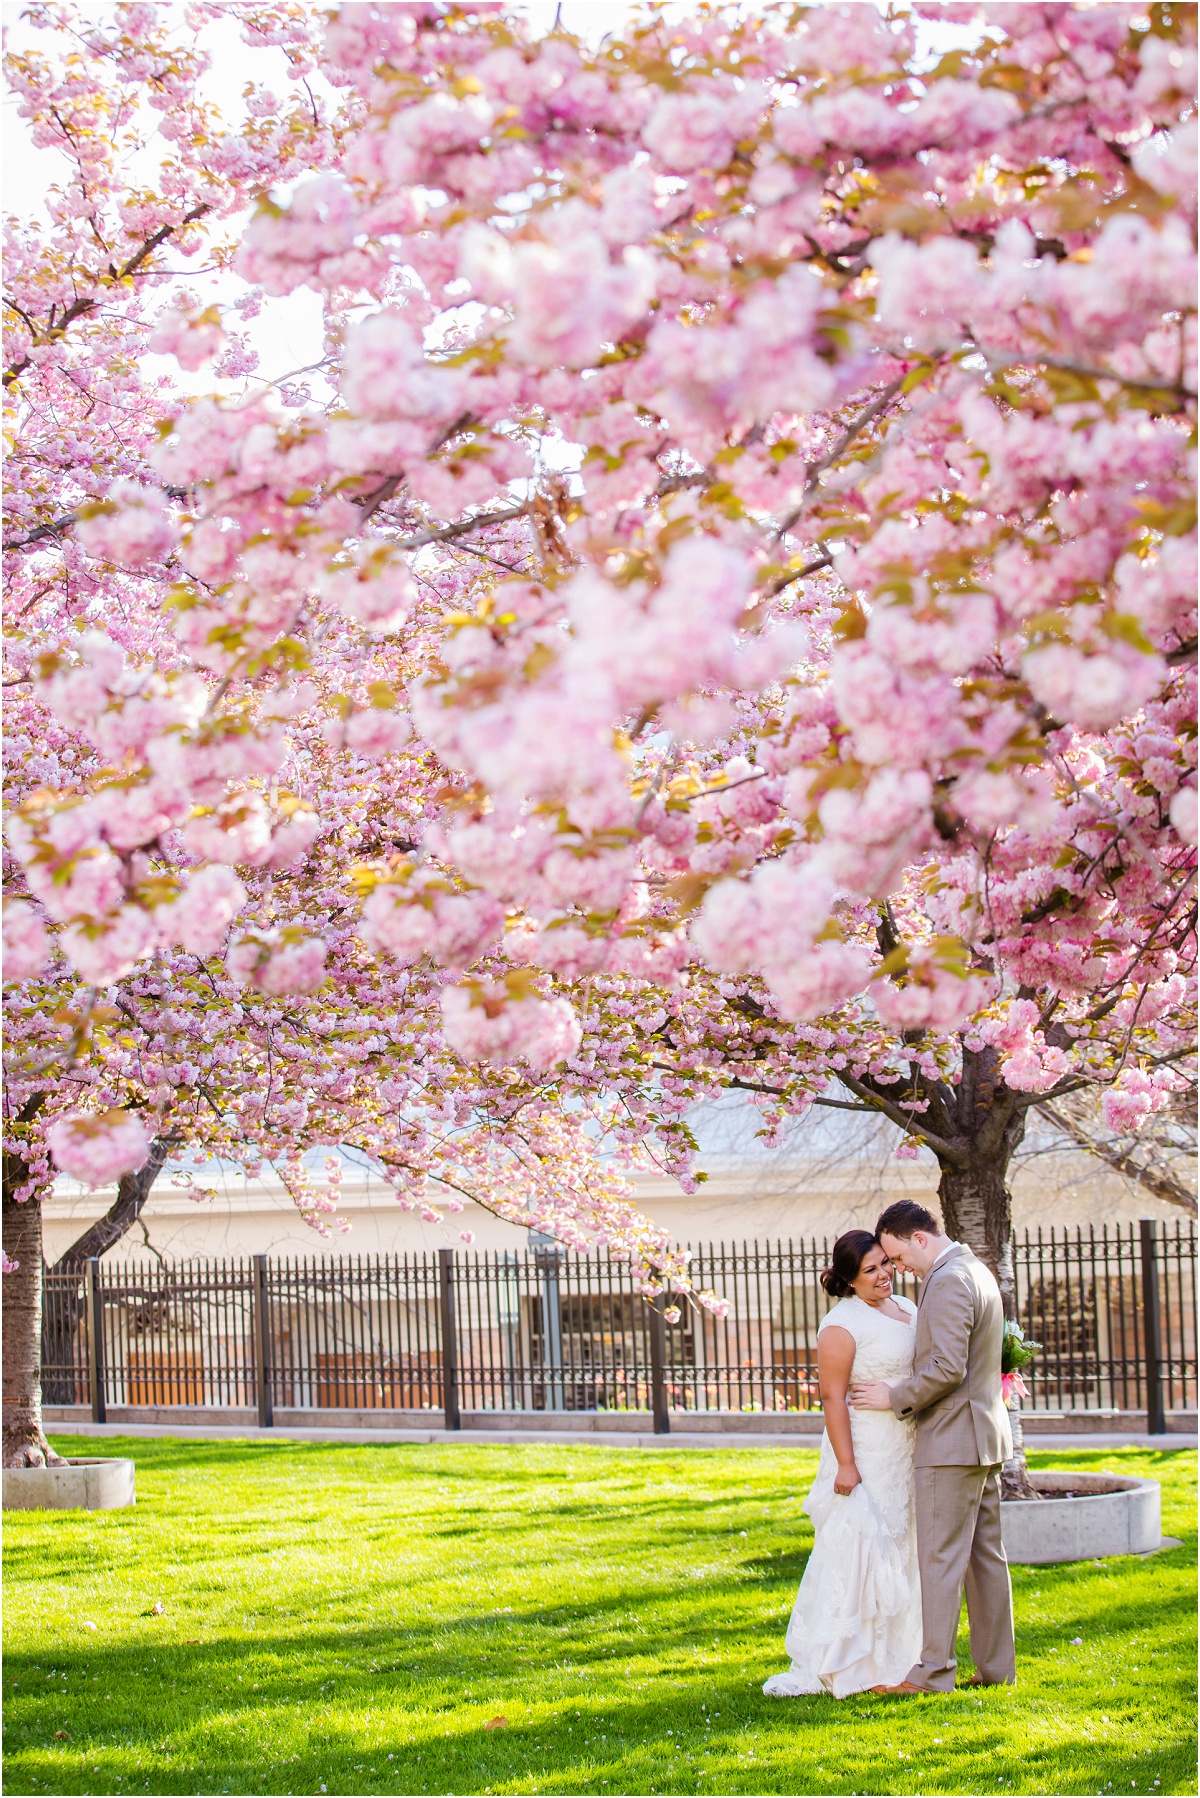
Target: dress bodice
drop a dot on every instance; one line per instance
(883, 1345)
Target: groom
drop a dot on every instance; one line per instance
(963, 1437)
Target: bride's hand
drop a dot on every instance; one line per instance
(846, 1479)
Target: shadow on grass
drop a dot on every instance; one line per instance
(593, 1687)
(181, 1708)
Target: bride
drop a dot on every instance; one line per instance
(857, 1617)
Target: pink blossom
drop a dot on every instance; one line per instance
(872, 830)
(690, 131)
(237, 832)
(78, 693)
(482, 1023)
(1131, 1099)
(1094, 690)
(925, 290)
(834, 40)
(568, 297)
(716, 1307)
(132, 528)
(1183, 815)
(385, 373)
(934, 999)
(377, 732)
(130, 815)
(952, 640)
(66, 866)
(107, 949)
(1010, 1384)
(1160, 591)
(312, 243)
(199, 918)
(278, 963)
(1035, 1068)
(375, 588)
(97, 1148)
(26, 945)
(988, 801)
(773, 918)
(1170, 166)
(811, 985)
(408, 922)
(1168, 67)
(292, 839)
(188, 333)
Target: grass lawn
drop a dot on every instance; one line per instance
(343, 1619)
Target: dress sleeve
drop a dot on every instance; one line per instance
(842, 1315)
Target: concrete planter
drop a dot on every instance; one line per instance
(1115, 1515)
(85, 1483)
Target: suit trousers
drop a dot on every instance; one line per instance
(958, 1541)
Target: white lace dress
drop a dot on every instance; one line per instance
(857, 1618)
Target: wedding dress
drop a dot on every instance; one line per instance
(857, 1618)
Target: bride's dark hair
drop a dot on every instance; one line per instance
(849, 1253)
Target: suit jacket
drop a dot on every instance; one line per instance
(954, 1389)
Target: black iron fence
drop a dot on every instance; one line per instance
(541, 1329)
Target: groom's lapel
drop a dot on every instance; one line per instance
(934, 1272)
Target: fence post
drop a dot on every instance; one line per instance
(658, 1367)
(449, 1340)
(95, 1314)
(1152, 1328)
(547, 1255)
(262, 1345)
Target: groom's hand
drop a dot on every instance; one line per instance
(871, 1395)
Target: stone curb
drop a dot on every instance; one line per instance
(679, 1439)
(84, 1483)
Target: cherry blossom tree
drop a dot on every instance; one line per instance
(1157, 1156)
(718, 614)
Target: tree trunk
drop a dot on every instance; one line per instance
(977, 1209)
(63, 1318)
(24, 1444)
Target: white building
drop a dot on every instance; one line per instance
(836, 1173)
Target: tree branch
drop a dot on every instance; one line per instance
(816, 469)
(1160, 1185)
(125, 1210)
(911, 1125)
(798, 574)
(54, 529)
(1033, 363)
(84, 304)
(463, 526)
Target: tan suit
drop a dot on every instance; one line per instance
(963, 1436)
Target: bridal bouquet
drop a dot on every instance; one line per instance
(1016, 1353)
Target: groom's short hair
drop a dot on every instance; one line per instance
(905, 1218)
